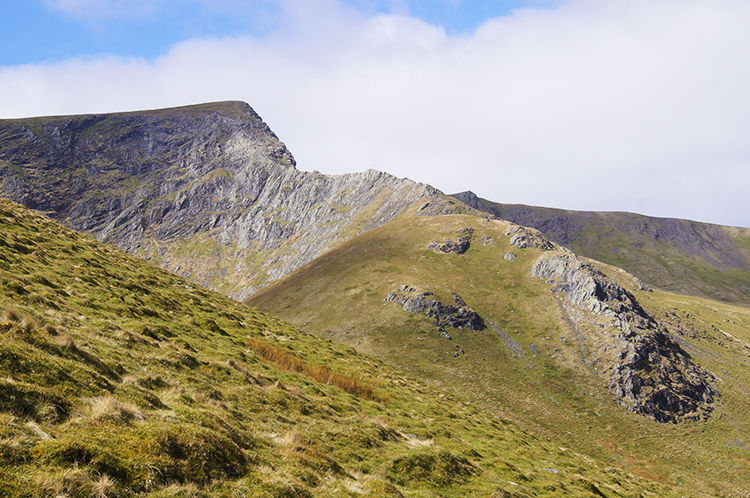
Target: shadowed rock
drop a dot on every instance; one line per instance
(647, 371)
(458, 246)
(457, 315)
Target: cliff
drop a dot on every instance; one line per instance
(206, 191)
(644, 367)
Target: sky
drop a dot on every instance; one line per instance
(600, 105)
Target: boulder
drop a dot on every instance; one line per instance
(523, 238)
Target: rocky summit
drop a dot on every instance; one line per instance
(207, 191)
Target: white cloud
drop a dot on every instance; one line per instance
(619, 105)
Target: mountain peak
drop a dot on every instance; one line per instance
(197, 189)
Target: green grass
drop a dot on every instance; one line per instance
(550, 393)
(119, 379)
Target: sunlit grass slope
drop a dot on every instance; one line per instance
(118, 379)
(527, 367)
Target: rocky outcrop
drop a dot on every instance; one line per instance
(523, 238)
(206, 191)
(647, 371)
(458, 246)
(458, 315)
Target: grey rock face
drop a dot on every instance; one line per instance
(208, 189)
(458, 246)
(522, 238)
(647, 371)
(460, 315)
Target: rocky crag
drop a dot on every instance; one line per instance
(682, 256)
(458, 246)
(641, 363)
(207, 191)
(644, 367)
(458, 315)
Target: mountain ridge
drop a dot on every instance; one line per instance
(207, 191)
(591, 363)
(210, 192)
(683, 256)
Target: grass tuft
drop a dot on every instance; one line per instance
(108, 407)
(66, 342)
(11, 315)
(28, 323)
(188, 490)
(72, 481)
(50, 329)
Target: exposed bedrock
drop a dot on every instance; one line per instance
(643, 366)
(456, 315)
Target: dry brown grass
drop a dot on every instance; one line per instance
(200, 396)
(102, 486)
(129, 379)
(38, 432)
(66, 342)
(50, 329)
(72, 481)
(11, 315)
(28, 323)
(108, 407)
(321, 373)
(188, 490)
(291, 438)
(173, 390)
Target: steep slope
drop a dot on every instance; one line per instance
(118, 379)
(682, 256)
(577, 352)
(206, 191)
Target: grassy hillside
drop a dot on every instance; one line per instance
(682, 256)
(527, 365)
(118, 379)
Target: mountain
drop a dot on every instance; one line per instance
(209, 192)
(570, 349)
(119, 379)
(206, 191)
(429, 347)
(687, 257)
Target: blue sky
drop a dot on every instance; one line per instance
(606, 105)
(33, 31)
